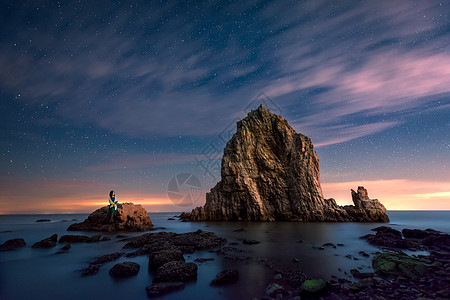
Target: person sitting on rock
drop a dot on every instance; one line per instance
(112, 205)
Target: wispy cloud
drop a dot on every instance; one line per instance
(139, 161)
(342, 133)
(149, 75)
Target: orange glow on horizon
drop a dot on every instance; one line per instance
(395, 194)
(58, 196)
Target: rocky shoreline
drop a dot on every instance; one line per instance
(396, 275)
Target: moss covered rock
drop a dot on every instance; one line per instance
(399, 264)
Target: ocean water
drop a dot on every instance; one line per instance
(41, 274)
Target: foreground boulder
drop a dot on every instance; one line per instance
(150, 243)
(12, 244)
(175, 271)
(271, 173)
(129, 217)
(159, 258)
(162, 288)
(226, 276)
(399, 264)
(96, 263)
(125, 269)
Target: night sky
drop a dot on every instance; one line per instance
(125, 95)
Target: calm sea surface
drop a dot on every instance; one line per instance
(41, 274)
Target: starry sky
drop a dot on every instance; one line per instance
(132, 95)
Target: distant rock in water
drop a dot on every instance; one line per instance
(129, 217)
(271, 173)
(43, 220)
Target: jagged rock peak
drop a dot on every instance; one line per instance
(269, 173)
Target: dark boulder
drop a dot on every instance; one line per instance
(49, 242)
(159, 258)
(162, 288)
(386, 229)
(125, 269)
(13, 244)
(250, 242)
(226, 276)
(43, 220)
(176, 271)
(94, 239)
(73, 239)
(97, 262)
(415, 233)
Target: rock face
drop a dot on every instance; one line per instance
(129, 217)
(271, 173)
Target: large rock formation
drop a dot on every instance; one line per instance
(129, 217)
(271, 173)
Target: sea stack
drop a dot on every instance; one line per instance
(271, 173)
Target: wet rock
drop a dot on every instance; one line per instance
(125, 269)
(185, 217)
(176, 271)
(201, 259)
(312, 287)
(274, 289)
(171, 219)
(105, 238)
(389, 240)
(329, 245)
(162, 288)
(73, 239)
(159, 258)
(340, 245)
(250, 242)
(295, 278)
(129, 217)
(415, 233)
(90, 270)
(295, 260)
(94, 239)
(106, 258)
(386, 229)
(359, 275)
(439, 241)
(97, 262)
(49, 242)
(240, 230)
(66, 247)
(13, 244)
(43, 220)
(362, 253)
(226, 276)
(199, 240)
(399, 264)
(277, 277)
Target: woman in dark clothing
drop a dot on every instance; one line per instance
(112, 205)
